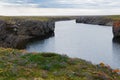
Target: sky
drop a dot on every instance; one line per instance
(59, 7)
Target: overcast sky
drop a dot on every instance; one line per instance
(59, 7)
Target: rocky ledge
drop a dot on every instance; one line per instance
(17, 34)
(97, 20)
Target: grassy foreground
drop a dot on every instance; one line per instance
(20, 65)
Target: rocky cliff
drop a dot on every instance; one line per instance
(116, 31)
(17, 34)
(97, 20)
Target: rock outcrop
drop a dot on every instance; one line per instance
(97, 20)
(16, 35)
(116, 31)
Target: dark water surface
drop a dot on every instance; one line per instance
(89, 42)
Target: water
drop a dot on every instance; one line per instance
(90, 42)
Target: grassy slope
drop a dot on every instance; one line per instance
(20, 65)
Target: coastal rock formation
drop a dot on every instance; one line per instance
(17, 34)
(97, 20)
(116, 31)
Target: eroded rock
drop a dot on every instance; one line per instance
(116, 31)
(18, 34)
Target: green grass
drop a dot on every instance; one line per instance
(21, 65)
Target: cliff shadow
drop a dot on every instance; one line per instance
(116, 53)
(42, 45)
(49, 35)
(116, 40)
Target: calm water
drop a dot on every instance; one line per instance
(89, 42)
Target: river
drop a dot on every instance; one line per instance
(90, 42)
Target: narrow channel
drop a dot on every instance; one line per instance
(90, 42)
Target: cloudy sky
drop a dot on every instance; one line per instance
(59, 7)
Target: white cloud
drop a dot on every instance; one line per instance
(79, 7)
(87, 4)
(25, 11)
(92, 3)
(7, 4)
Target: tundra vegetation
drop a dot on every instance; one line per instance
(22, 65)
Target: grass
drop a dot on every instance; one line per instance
(14, 19)
(114, 17)
(21, 65)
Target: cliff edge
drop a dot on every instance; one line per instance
(96, 20)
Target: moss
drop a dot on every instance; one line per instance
(21, 65)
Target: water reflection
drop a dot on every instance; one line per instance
(116, 40)
(116, 54)
(38, 45)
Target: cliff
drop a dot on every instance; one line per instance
(17, 31)
(116, 31)
(97, 20)
(17, 34)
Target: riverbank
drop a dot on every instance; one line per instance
(21, 65)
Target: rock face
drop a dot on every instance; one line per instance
(16, 35)
(116, 31)
(97, 20)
